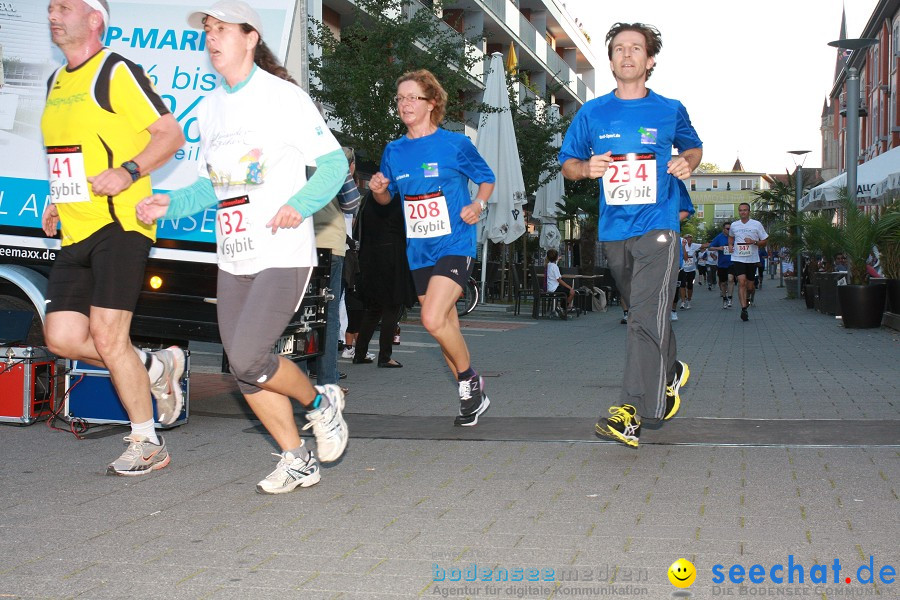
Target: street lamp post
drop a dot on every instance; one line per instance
(852, 136)
(799, 155)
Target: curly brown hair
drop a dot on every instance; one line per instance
(432, 89)
(265, 59)
(650, 33)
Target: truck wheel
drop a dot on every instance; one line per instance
(36, 333)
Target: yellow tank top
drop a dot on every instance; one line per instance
(101, 111)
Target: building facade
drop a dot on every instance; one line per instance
(716, 195)
(879, 83)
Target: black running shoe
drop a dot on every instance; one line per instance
(472, 401)
(623, 426)
(744, 315)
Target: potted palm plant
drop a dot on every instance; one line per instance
(889, 249)
(821, 239)
(862, 305)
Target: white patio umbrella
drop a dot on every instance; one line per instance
(548, 195)
(496, 142)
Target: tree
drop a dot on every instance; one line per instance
(535, 132)
(581, 207)
(356, 76)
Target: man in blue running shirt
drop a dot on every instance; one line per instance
(723, 266)
(626, 138)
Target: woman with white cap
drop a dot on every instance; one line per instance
(258, 132)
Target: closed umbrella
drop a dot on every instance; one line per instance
(549, 195)
(496, 142)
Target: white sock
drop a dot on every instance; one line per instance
(147, 430)
(156, 368)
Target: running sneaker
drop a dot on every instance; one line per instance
(290, 473)
(167, 389)
(623, 426)
(729, 302)
(687, 305)
(140, 457)
(328, 424)
(674, 316)
(673, 399)
(348, 352)
(744, 315)
(724, 302)
(472, 401)
(624, 320)
(681, 306)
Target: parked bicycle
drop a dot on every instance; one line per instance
(468, 299)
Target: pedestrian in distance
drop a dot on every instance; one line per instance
(430, 168)
(105, 129)
(745, 239)
(253, 170)
(626, 138)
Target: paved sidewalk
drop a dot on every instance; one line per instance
(578, 516)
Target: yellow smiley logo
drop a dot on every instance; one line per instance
(682, 573)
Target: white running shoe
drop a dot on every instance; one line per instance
(674, 316)
(167, 389)
(290, 473)
(687, 305)
(140, 457)
(328, 424)
(348, 352)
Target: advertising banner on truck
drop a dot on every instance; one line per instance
(153, 34)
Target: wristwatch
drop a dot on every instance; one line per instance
(482, 203)
(133, 169)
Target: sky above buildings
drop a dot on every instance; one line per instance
(753, 76)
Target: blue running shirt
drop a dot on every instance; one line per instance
(649, 128)
(431, 174)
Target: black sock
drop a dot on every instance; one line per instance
(467, 374)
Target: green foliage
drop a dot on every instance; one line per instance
(356, 76)
(859, 234)
(888, 226)
(821, 238)
(535, 132)
(776, 209)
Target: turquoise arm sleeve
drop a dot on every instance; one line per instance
(331, 172)
(191, 199)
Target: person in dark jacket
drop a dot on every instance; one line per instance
(384, 282)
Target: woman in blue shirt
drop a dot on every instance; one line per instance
(430, 168)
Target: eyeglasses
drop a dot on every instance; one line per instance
(402, 99)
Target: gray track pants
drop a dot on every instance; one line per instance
(645, 269)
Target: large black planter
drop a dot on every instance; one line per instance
(810, 293)
(862, 306)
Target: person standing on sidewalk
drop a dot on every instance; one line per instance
(745, 239)
(253, 171)
(106, 129)
(626, 138)
(723, 264)
(430, 168)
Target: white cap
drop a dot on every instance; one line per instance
(228, 11)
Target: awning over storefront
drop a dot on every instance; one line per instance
(871, 176)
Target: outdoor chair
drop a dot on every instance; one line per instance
(518, 290)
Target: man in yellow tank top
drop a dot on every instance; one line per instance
(105, 129)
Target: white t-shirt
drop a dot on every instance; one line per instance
(256, 143)
(690, 263)
(553, 276)
(742, 232)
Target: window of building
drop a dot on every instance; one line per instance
(746, 184)
(699, 211)
(715, 184)
(724, 211)
(693, 185)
